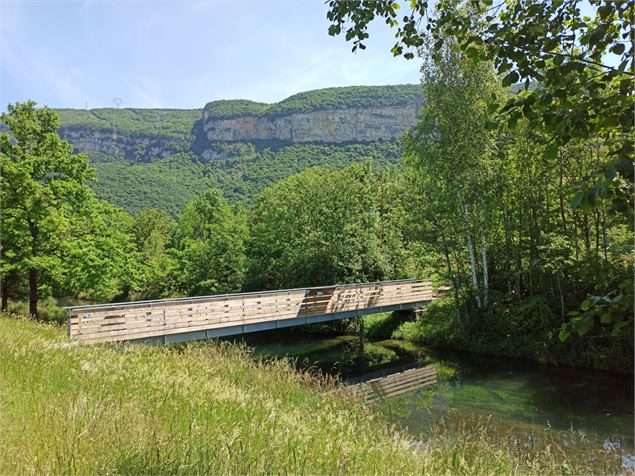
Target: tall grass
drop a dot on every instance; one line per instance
(198, 408)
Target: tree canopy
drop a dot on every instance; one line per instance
(582, 62)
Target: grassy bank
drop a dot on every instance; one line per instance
(527, 329)
(205, 408)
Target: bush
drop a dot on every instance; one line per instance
(48, 309)
(526, 328)
(381, 326)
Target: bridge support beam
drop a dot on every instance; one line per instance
(362, 343)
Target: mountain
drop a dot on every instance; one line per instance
(163, 158)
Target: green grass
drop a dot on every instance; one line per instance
(204, 408)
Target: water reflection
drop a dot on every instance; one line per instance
(529, 405)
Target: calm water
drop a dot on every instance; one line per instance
(578, 409)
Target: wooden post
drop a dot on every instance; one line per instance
(362, 338)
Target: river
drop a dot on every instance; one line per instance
(577, 409)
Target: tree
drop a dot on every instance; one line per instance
(583, 65)
(101, 260)
(43, 187)
(323, 226)
(154, 230)
(210, 247)
(451, 166)
(578, 80)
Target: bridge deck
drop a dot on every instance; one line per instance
(183, 319)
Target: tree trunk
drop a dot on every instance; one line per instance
(561, 199)
(5, 294)
(33, 272)
(485, 269)
(604, 242)
(455, 283)
(470, 246)
(33, 293)
(561, 298)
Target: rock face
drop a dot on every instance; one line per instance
(348, 115)
(358, 124)
(134, 147)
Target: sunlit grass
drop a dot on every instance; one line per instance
(205, 408)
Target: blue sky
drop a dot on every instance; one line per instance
(180, 53)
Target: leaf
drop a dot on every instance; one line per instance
(606, 318)
(618, 48)
(577, 200)
(586, 304)
(564, 334)
(551, 151)
(584, 325)
(511, 78)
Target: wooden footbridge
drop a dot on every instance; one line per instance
(184, 319)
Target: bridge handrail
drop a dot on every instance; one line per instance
(123, 304)
(241, 312)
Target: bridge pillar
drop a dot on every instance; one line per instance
(362, 341)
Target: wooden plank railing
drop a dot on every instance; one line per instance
(148, 319)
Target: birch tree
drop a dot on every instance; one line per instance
(450, 159)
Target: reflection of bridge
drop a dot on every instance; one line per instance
(183, 319)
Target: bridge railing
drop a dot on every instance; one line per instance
(151, 319)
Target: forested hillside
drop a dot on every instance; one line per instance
(169, 184)
(161, 158)
(321, 99)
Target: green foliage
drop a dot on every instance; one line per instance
(324, 227)
(170, 183)
(43, 188)
(49, 311)
(451, 169)
(525, 328)
(613, 310)
(210, 247)
(103, 262)
(153, 231)
(581, 93)
(319, 99)
(228, 108)
(171, 123)
(378, 326)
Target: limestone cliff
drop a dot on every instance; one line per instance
(332, 115)
(135, 147)
(328, 126)
(360, 114)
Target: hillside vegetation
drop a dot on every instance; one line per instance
(135, 179)
(169, 184)
(211, 408)
(320, 99)
(174, 123)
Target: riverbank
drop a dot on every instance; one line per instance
(211, 407)
(526, 329)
